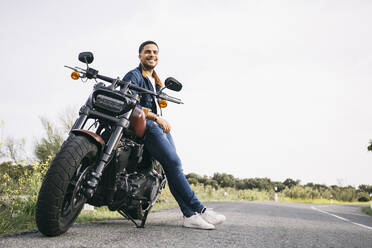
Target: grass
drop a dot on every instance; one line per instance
(101, 213)
(11, 224)
(367, 210)
(20, 223)
(320, 201)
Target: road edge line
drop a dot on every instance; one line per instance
(341, 218)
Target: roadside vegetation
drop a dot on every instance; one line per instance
(19, 187)
(21, 178)
(367, 210)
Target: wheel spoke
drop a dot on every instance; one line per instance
(74, 198)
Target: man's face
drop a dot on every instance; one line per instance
(149, 56)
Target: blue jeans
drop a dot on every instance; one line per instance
(161, 146)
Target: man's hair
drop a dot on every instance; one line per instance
(146, 43)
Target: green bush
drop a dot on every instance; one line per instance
(363, 196)
(18, 201)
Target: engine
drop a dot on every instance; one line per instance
(131, 179)
(138, 177)
(142, 186)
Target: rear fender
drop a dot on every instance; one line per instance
(91, 136)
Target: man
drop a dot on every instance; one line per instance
(159, 142)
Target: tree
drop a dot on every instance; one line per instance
(369, 148)
(192, 180)
(365, 188)
(67, 118)
(54, 134)
(13, 150)
(290, 182)
(224, 180)
(49, 145)
(193, 175)
(212, 183)
(279, 186)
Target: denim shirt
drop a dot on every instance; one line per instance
(136, 77)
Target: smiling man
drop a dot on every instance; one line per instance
(159, 142)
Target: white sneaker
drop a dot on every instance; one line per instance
(212, 217)
(195, 221)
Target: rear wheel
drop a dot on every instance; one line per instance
(60, 198)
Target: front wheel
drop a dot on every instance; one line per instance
(60, 198)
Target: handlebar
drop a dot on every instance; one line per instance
(170, 98)
(122, 83)
(92, 73)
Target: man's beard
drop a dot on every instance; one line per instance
(148, 67)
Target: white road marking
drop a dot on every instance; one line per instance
(368, 227)
(341, 218)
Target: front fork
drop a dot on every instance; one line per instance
(95, 176)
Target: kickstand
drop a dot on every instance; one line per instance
(145, 217)
(127, 216)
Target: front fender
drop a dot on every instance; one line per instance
(91, 136)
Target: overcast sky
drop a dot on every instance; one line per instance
(272, 89)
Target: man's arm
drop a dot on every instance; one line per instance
(130, 76)
(163, 123)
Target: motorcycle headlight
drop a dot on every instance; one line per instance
(109, 103)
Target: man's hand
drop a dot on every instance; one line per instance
(163, 124)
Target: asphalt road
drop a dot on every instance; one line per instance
(248, 224)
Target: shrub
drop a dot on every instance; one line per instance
(19, 197)
(363, 196)
(192, 181)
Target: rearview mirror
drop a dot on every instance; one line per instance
(173, 84)
(86, 57)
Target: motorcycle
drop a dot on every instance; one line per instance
(106, 163)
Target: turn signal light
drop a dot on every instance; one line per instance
(163, 103)
(75, 75)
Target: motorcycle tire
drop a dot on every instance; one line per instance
(60, 200)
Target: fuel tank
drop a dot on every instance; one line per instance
(138, 122)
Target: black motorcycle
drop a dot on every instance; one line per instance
(103, 162)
